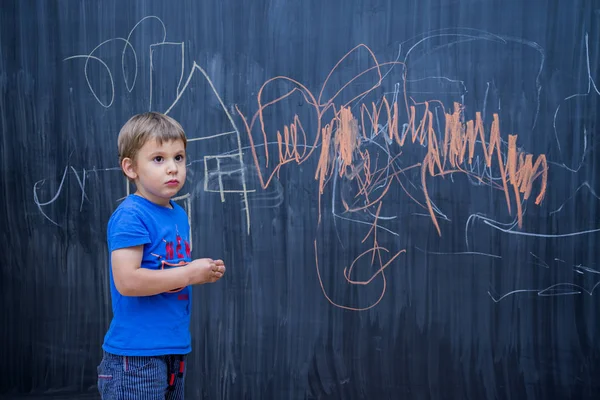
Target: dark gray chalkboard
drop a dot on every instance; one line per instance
(406, 193)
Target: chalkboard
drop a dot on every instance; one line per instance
(406, 193)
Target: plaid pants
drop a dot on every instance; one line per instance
(141, 377)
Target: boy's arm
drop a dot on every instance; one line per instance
(132, 280)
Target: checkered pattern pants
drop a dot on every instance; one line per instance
(141, 377)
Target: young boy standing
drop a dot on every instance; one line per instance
(151, 269)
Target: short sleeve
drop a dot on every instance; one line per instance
(126, 229)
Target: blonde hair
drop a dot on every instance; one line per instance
(144, 127)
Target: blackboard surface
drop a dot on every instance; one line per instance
(406, 193)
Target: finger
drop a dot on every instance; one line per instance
(219, 262)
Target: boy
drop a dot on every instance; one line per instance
(151, 270)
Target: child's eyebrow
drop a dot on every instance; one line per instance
(162, 153)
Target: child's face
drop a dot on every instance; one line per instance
(158, 171)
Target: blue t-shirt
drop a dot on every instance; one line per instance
(158, 324)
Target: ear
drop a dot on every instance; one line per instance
(128, 167)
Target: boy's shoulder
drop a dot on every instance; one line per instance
(129, 206)
(127, 214)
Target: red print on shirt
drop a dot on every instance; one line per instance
(174, 257)
(169, 249)
(188, 249)
(173, 249)
(178, 238)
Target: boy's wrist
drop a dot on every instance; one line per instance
(187, 278)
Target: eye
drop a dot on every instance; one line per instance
(158, 159)
(179, 157)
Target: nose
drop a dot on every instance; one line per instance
(171, 167)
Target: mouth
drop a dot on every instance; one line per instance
(172, 182)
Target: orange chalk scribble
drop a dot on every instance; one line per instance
(348, 126)
(459, 137)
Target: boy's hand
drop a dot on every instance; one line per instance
(205, 270)
(219, 270)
